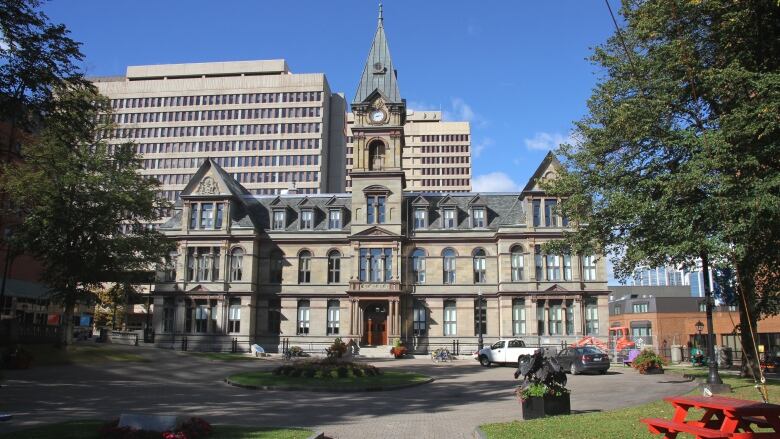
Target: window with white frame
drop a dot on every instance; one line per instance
(334, 219)
(480, 316)
(334, 317)
(418, 266)
(538, 262)
(518, 317)
(307, 219)
(375, 209)
(553, 267)
(303, 317)
(169, 311)
(304, 267)
(202, 215)
(567, 267)
(234, 315)
(237, 264)
(279, 220)
(480, 270)
(420, 219)
(448, 266)
(516, 256)
(591, 316)
(449, 220)
(550, 218)
(569, 317)
(640, 307)
(334, 267)
(478, 217)
(450, 318)
(170, 266)
(203, 264)
(555, 318)
(589, 268)
(201, 316)
(420, 324)
(376, 264)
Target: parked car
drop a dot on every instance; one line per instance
(503, 352)
(583, 359)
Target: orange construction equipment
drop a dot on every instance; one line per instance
(618, 334)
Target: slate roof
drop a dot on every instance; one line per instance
(503, 209)
(378, 73)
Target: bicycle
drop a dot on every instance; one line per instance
(441, 355)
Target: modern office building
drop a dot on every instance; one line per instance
(271, 129)
(377, 264)
(659, 277)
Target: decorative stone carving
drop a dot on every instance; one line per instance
(208, 187)
(378, 104)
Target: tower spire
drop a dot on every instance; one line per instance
(378, 72)
(381, 17)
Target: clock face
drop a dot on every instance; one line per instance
(377, 116)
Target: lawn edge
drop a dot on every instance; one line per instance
(334, 390)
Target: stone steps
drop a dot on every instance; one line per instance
(375, 352)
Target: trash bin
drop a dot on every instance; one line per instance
(676, 354)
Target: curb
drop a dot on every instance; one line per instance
(317, 435)
(336, 390)
(479, 434)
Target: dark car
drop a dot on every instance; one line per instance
(584, 359)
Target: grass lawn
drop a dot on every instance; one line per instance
(224, 356)
(88, 430)
(617, 424)
(48, 355)
(389, 378)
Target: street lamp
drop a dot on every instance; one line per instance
(480, 342)
(699, 327)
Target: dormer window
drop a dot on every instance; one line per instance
(206, 215)
(478, 217)
(449, 218)
(279, 220)
(420, 219)
(334, 219)
(375, 209)
(307, 219)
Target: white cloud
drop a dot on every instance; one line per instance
(547, 141)
(481, 145)
(494, 182)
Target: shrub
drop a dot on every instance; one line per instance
(193, 428)
(648, 360)
(541, 376)
(342, 372)
(295, 373)
(309, 373)
(337, 349)
(356, 371)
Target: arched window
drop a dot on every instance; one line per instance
(517, 263)
(334, 267)
(418, 266)
(449, 265)
(376, 155)
(304, 267)
(480, 273)
(236, 264)
(276, 265)
(334, 316)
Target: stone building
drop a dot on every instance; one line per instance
(376, 264)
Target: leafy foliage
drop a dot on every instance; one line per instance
(647, 360)
(541, 376)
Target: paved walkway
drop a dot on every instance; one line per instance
(463, 396)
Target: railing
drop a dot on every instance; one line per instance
(393, 286)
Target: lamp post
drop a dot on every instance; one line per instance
(699, 327)
(713, 377)
(480, 342)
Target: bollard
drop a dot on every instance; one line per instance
(136, 340)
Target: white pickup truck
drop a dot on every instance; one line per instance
(504, 352)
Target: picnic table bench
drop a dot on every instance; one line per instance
(723, 418)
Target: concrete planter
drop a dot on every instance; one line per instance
(548, 405)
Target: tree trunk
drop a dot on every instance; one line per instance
(66, 325)
(747, 325)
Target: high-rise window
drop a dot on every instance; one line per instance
(550, 218)
(480, 271)
(449, 218)
(420, 325)
(448, 266)
(517, 263)
(518, 317)
(537, 212)
(334, 313)
(375, 209)
(418, 266)
(307, 219)
(334, 219)
(589, 268)
(304, 267)
(303, 317)
(480, 312)
(234, 315)
(334, 267)
(450, 318)
(478, 217)
(376, 264)
(236, 264)
(420, 219)
(591, 316)
(280, 221)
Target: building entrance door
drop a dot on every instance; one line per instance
(375, 330)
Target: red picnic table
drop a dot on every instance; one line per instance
(723, 418)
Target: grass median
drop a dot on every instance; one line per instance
(617, 424)
(48, 355)
(387, 380)
(89, 430)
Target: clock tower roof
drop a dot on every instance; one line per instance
(378, 73)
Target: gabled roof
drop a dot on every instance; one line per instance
(447, 201)
(233, 187)
(421, 201)
(378, 73)
(550, 161)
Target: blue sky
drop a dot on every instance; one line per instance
(517, 70)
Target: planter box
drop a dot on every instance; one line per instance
(539, 407)
(653, 371)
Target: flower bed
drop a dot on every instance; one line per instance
(193, 428)
(326, 369)
(648, 362)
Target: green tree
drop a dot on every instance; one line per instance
(36, 56)
(678, 156)
(75, 193)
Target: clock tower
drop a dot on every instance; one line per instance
(378, 140)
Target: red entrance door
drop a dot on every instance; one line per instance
(375, 330)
